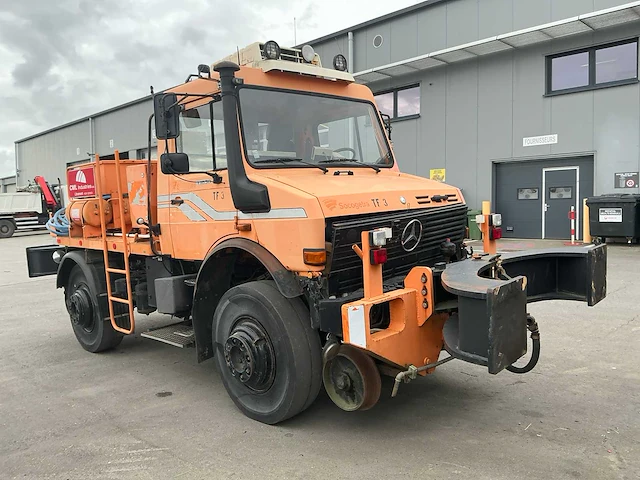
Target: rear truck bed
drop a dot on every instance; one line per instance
(474, 309)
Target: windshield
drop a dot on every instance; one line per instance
(295, 129)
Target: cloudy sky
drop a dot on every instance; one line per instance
(64, 59)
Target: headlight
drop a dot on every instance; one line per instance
(271, 50)
(340, 63)
(308, 53)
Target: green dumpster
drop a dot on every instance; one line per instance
(474, 230)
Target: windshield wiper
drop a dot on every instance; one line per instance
(351, 160)
(386, 156)
(289, 160)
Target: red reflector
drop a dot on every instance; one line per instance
(496, 233)
(378, 256)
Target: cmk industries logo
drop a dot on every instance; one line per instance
(81, 177)
(81, 182)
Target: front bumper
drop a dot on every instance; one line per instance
(468, 311)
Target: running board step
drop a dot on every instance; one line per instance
(179, 335)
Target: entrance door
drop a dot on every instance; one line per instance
(561, 189)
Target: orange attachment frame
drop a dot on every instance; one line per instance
(414, 334)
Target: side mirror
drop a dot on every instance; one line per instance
(167, 114)
(174, 163)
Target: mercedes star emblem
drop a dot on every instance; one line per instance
(411, 235)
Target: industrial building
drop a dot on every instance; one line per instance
(534, 104)
(8, 184)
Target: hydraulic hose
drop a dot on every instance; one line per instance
(58, 224)
(535, 353)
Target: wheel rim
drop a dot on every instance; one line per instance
(249, 355)
(80, 308)
(4, 229)
(352, 380)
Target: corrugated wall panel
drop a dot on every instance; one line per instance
(404, 37)
(462, 128)
(432, 132)
(495, 117)
(49, 154)
(405, 145)
(462, 22)
(572, 121)
(569, 8)
(127, 128)
(382, 54)
(432, 29)
(616, 135)
(494, 17)
(531, 112)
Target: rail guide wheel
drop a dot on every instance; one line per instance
(352, 379)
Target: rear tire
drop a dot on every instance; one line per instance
(268, 355)
(87, 317)
(7, 228)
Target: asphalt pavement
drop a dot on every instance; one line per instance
(148, 410)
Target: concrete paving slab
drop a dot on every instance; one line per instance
(147, 410)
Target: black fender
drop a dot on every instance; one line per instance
(215, 277)
(86, 260)
(92, 265)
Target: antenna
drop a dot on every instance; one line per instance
(238, 50)
(151, 89)
(295, 35)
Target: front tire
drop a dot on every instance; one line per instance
(94, 333)
(268, 355)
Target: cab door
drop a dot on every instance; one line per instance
(200, 203)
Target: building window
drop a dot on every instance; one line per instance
(400, 103)
(595, 67)
(557, 193)
(527, 194)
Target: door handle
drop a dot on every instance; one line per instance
(546, 207)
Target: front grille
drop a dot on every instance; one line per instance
(438, 224)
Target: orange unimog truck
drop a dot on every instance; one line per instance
(278, 229)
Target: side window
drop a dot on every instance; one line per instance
(196, 138)
(202, 137)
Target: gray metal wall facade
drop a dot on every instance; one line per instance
(49, 153)
(476, 113)
(8, 184)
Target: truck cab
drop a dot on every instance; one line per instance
(278, 228)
